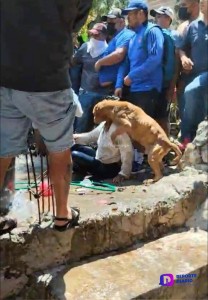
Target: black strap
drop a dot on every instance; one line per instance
(61, 219)
(74, 212)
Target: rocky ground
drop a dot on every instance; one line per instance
(171, 213)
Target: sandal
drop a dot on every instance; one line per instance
(7, 225)
(70, 223)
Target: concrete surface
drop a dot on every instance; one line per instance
(109, 221)
(134, 274)
(200, 217)
(139, 213)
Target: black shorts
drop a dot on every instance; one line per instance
(162, 107)
(146, 100)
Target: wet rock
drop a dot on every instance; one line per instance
(13, 284)
(141, 217)
(196, 153)
(201, 135)
(192, 155)
(204, 153)
(202, 167)
(200, 217)
(135, 274)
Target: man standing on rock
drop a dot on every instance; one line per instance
(36, 46)
(194, 60)
(189, 10)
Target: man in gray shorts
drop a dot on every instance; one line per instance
(35, 87)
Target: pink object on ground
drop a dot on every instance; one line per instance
(45, 189)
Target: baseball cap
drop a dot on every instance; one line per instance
(163, 10)
(135, 4)
(114, 13)
(98, 28)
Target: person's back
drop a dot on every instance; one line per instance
(36, 43)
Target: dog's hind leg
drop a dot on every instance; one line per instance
(154, 160)
(161, 166)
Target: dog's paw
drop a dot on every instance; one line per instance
(148, 181)
(151, 181)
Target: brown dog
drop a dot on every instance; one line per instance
(141, 128)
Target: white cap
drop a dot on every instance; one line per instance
(163, 10)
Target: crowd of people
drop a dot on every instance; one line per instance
(146, 62)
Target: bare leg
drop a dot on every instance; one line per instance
(60, 173)
(4, 165)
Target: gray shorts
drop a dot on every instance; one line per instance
(53, 114)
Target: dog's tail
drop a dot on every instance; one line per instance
(178, 152)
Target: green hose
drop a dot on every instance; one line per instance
(98, 186)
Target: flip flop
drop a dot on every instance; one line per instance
(7, 225)
(70, 223)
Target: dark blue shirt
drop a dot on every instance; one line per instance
(145, 61)
(196, 46)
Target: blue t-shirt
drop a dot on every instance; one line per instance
(121, 40)
(196, 46)
(145, 62)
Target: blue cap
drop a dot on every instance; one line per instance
(135, 4)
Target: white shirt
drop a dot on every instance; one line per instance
(107, 152)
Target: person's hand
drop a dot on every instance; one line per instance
(187, 63)
(118, 92)
(40, 145)
(75, 137)
(127, 81)
(98, 66)
(118, 179)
